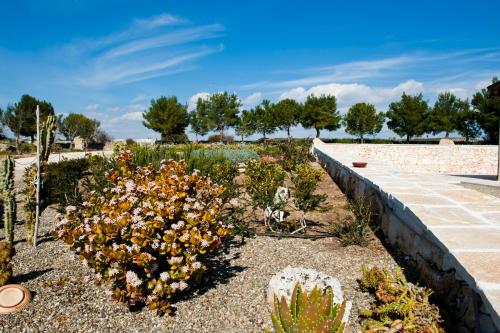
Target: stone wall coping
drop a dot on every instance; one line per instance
(464, 224)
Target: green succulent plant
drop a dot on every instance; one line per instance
(9, 198)
(312, 312)
(6, 254)
(47, 136)
(400, 306)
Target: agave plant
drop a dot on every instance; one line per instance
(308, 313)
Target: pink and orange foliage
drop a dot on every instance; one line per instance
(146, 237)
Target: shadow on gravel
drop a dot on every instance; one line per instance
(219, 269)
(23, 278)
(47, 237)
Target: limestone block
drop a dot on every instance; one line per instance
(282, 283)
(78, 143)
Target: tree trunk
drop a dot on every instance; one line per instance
(17, 143)
(317, 132)
(288, 132)
(362, 140)
(221, 134)
(447, 135)
(408, 138)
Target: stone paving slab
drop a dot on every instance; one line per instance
(464, 223)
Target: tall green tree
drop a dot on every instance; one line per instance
(222, 111)
(246, 124)
(287, 112)
(168, 117)
(361, 119)
(320, 113)
(78, 125)
(488, 107)
(443, 115)
(198, 119)
(265, 118)
(21, 117)
(466, 121)
(408, 117)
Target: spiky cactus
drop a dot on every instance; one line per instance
(6, 253)
(9, 198)
(308, 313)
(47, 136)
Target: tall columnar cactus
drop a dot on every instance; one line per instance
(6, 254)
(9, 198)
(47, 136)
(308, 313)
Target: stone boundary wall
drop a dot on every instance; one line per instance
(455, 159)
(404, 231)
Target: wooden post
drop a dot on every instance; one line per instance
(37, 210)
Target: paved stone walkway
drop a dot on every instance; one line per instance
(464, 222)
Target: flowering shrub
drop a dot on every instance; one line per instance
(147, 235)
(295, 153)
(262, 181)
(306, 179)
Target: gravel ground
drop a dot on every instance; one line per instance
(232, 297)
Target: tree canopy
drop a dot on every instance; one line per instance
(320, 113)
(21, 117)
(168, 117)
(265, 118)
(198, 119)
(287, 114)
(466, 121)
(246, 124)
(362, 118)
(76, 124)
(408, 117)
(488, 107)
(222, 111)
(443, 116)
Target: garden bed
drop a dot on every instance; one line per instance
(231, 298)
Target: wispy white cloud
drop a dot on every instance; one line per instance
(344, 72)
(420, 64)
(142, 69)
(131, 116)
(160, 21)
(139, 98)
(148, 48)
(91, 107)
(136, 29)
(167, 39)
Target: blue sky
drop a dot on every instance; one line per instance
(108, 58)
